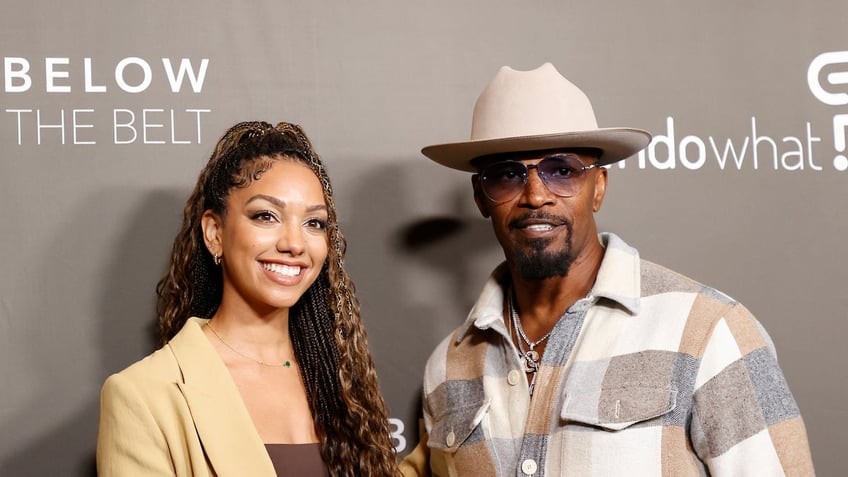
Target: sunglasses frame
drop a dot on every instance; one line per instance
(580, 174)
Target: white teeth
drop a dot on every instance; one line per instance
(283, 270)
(540, 227)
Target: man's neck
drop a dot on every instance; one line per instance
(543, 302)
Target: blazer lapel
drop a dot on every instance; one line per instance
(223, 424)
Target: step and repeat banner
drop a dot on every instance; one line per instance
(109, 110)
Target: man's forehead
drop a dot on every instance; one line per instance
(587, 154)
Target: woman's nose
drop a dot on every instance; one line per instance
(291, 239)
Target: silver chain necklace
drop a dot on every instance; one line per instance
(529, 358)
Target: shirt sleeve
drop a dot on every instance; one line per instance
(416, 464)
(745, 419)
(129, 442)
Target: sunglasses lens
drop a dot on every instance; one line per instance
(502, 181)
(562, 174)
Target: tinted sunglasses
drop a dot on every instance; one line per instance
(562, 174)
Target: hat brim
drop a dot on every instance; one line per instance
(615, 143)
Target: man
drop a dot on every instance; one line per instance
(580, 359)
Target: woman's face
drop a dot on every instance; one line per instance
(272, 239)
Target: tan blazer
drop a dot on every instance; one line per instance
(178, 412)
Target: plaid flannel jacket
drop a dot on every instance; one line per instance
(652, 374)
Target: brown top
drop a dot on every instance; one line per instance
(297, 460)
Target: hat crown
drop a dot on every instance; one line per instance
(530, 103)
(534, 111)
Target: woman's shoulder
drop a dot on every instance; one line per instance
(154, 369)
(160, 367)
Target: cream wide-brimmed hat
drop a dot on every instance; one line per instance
(532, 111)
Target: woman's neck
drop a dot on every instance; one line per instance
(259, 336)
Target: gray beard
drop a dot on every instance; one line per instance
(535, 263)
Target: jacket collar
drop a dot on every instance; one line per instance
(223, 424)
(620, 276)
(619, 280)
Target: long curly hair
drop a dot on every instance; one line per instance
(328, 337)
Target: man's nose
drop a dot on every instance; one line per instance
(535, 193)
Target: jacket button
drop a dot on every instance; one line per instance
(529, 467)
(450, 439)
(513, 377)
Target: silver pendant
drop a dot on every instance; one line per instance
(531, 361)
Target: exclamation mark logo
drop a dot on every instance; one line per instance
(840, 123)
(837, 64)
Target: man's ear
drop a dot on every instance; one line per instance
(211, 224)
(481, 202)
(600, 189)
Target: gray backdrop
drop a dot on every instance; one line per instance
(743, 187)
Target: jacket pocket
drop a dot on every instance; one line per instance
(454, 426)
(617, 408)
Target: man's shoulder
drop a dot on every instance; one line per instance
(463, 349)
(702, 306)
(657, 279)
(654, 279)
(441, 352)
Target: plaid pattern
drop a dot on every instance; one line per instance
(652, 374)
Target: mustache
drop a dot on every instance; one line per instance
(521, 220)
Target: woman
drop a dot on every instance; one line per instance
(265, 368)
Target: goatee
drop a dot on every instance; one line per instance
(536, 263)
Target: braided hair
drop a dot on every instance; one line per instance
(328, 337)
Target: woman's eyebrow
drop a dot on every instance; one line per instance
(282, 204)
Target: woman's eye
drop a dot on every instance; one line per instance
(317, 224)
(264, 216)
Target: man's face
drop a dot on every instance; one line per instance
(543, 233)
